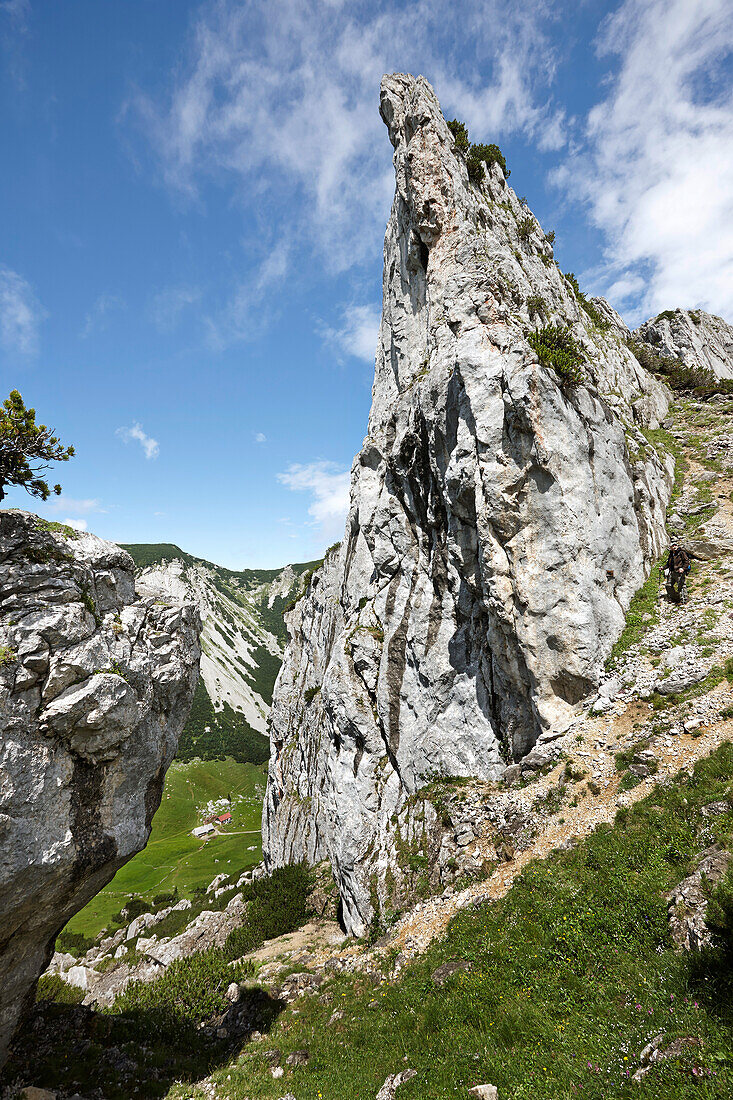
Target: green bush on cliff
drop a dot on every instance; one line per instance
(555, 347)
(677, 375)
(480, 154)
(460, 135)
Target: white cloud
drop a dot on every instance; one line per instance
(76, 524)
(260, 437)
(14, 24)
(149, 445)
(328, 485)
(20, 314)
(18, 11)
(167, 306)
(254, 101)
(247, 313)
(658, 169)
(357, 333)
(96, 318)
(78, 507)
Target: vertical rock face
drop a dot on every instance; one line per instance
(700, 340)
(499, 524)
(96, 682)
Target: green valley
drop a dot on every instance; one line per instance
(173, 857)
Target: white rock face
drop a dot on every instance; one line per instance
(499, 525)
(96, 682)
(700, 340)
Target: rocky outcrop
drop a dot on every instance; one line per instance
(688, 902)
(700, 340)
(96, 681)
(501, 519)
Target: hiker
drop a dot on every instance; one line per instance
(676, 568)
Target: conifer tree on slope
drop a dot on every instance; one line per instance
(26, 449)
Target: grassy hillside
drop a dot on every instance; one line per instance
(174, 858)
(564, 982)
(151, 553)
(214, 735)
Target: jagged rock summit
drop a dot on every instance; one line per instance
(700, 340)
(96, 681)
(501, 519)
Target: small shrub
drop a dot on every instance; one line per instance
(460, 135)
(667, 315)
(191, 989)
(174, 923)
(132, 908)
(277, 904)
(53, 988)
(550, 237)
(479, 155)
(311, 693)
(555, 347)
(678, 377)
(7, 655)
(719, 915)
(573, 775)
(166, 899)
(536, 305)
(525, 227)
(73, 943)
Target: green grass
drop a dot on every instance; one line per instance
(643, 614)
(571, 974)
(57, 528)
(569, 977)
(174, 858)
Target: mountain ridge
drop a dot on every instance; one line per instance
(243, 636)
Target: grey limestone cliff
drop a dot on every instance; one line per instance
(500, 521)
(96, 681)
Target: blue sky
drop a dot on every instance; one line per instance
(193, 207)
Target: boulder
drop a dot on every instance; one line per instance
(95, 687)
(448, 969)
(680, 680)
(393, 1082)
(655, 1051)
(688, 902)
(82, 977)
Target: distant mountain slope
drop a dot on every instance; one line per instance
(242, 642)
